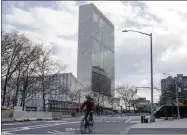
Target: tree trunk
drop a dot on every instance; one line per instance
(17, 88)
(4, 91)
(43, 93)
(134, 107)
(23, 101)
(43, 101)
(126, 107)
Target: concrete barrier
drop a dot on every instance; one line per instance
(18, 115)
(6, 115)
(57, 115)
(23, 115)
(46, 115)
(137, 114)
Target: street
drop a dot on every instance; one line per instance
(102, 125)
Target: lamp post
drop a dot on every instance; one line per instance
(177, 96)
(152, 118)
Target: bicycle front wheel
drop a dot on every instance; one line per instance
(83, 126)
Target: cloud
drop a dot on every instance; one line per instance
(56, 24)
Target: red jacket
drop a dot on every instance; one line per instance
(89, 106)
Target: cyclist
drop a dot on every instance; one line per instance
(89, 107)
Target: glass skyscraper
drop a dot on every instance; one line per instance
(95, 67)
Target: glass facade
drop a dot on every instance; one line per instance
(102, 55)
(95, 66)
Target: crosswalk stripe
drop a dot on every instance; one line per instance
(5, 133)
(56, 131)
(50, 132)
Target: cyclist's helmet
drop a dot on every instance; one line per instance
(88, 97)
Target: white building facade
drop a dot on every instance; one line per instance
(57, 97)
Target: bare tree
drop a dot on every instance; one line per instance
(126, 94)
(28, 70)
(47, 71)
(11, 46)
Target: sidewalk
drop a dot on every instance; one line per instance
(178, 126)
(177, 123)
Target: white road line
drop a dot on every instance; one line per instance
(41, 126)
(19, 123)
(56, 131)
(128, 120)
(6, 129)
(5, 132)
(50, 132)
(32, 126)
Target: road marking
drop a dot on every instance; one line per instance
(69, 129)
(56, 131)
(5, 132)
(128, 120)
(19, 123)
(50, 132)
(40, 126)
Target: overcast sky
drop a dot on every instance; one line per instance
(56, 23)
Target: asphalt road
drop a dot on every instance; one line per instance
(158, 131)
(102, 125)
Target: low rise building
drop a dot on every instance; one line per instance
(62, 91)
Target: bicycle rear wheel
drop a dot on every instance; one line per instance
(83, 126)
(90, 127)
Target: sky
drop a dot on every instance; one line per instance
(56, 24)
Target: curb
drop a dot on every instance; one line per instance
(38, 119)
(24, 120)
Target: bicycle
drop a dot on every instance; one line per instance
(85, 125)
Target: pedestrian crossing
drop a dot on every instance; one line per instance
(53, 132)
(65, 129)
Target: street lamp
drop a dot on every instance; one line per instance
(177, 96)
(152, 118)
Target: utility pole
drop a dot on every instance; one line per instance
(152, 118)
